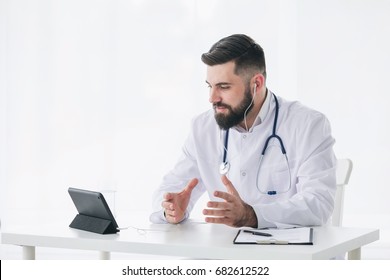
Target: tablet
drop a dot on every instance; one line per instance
(92, 207)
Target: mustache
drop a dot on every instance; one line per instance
(220, 104)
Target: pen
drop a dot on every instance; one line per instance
(276, 242)
(257, 233)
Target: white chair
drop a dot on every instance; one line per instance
(343, 172)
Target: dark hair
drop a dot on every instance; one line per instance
(243, 50)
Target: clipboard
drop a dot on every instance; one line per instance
(290, 236)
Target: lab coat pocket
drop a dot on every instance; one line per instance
(280, 179)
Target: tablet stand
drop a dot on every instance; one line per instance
(93, 224)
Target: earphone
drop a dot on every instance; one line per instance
(225, 165)
(253, 99)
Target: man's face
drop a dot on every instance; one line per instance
(229, 95)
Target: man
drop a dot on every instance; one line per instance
(292, 184)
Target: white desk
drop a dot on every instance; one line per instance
(190, 240)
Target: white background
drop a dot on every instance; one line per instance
(100, 94)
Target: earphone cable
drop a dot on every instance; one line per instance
(246, 111)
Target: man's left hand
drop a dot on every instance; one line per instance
(233, 211)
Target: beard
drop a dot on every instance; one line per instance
(234, 115)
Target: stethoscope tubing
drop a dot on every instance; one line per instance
(225, 166)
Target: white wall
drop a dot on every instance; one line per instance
(100, 94)
(344, 64)
(2, 108)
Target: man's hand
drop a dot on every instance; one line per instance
(233, 211)
(175, 204)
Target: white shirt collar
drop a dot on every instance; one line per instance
(260, 116)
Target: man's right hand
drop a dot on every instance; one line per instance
(175, 204)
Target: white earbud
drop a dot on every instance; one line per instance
(254, 90)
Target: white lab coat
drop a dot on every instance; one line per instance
(306, 135)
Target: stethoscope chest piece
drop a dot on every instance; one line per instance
(224, 168)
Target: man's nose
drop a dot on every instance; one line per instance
(214, 96)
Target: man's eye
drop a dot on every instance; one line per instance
(224, 87)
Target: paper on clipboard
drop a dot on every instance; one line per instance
(291, 236)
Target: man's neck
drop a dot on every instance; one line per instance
(254, 112)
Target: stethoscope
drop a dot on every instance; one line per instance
(225, 165)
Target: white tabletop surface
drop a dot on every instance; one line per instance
(192, 239)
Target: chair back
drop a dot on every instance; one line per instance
(343, 172)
